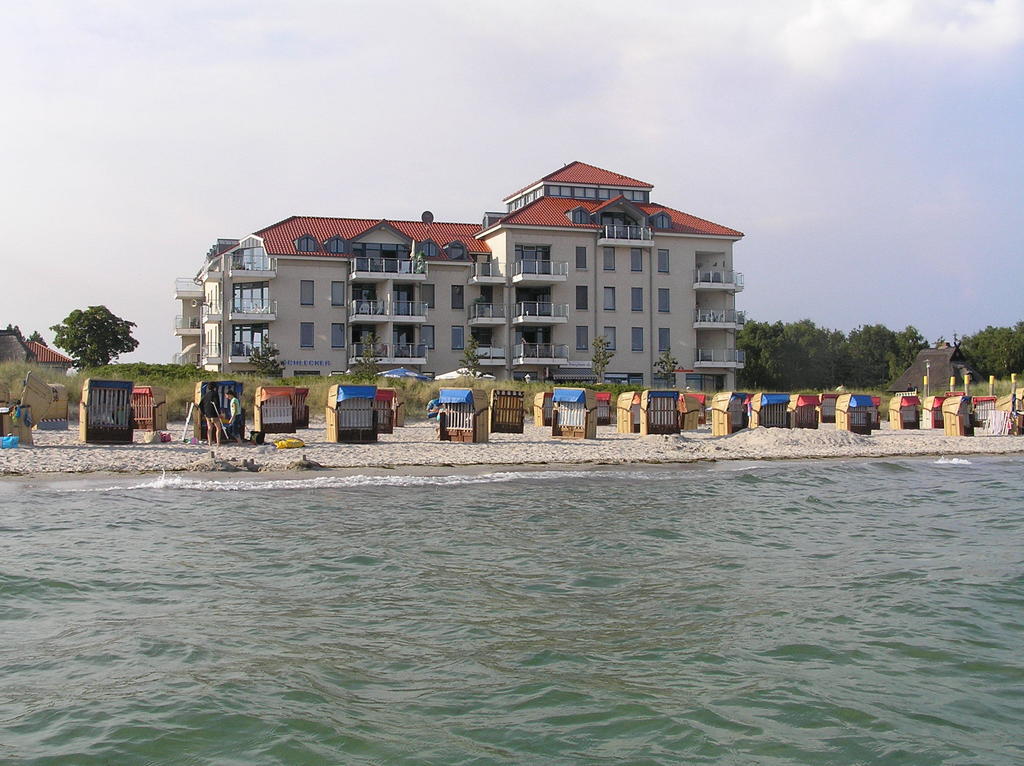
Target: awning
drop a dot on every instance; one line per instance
(806, 400)
(272, 392)
(569, 395)
(767, 399)
(356, 392)
(603, 396)
(861, 401)
(111, 384)
(456, 396)
(572, 373)
(908, 401)
(385, 394)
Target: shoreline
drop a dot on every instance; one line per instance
(414, 450)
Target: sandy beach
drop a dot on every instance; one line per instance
(416, 445)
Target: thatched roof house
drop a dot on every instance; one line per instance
(940, 364)
(13, 348)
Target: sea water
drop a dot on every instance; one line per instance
(829, 612)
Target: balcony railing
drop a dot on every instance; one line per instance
(239, 262)
(211, 311)
(183, 286)
(490, 352)
(187, 323)
(628, 232)
(407, 351)
(710, 316)
(541, 309)
(402, 308)
(487, 311)
(379, 350)
(254, 307)
(540, 268)
(211, 350)
(190, 359)
(541, 351)
(389, 265)
(487, 269)
(239, 348)
(719, 355)
(366, 308)
(710, 277)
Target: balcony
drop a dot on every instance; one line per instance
(704, 279)
(408, 311)
(240, 352)
(211, 353)
(626, 236)
(726, 319)
(539, 272)
(187, 288)
(540, 353)
(732, 358)
(187, 359)
(382, 269)
(252, 267)
(487, 273)
(211, 312)
(394, 353)
(264, 311)
(491, 355)
(541, 313)
(368, 311)
(482, 314)
(187, 325)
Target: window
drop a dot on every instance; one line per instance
(661, 221)
(427, 335)
(337, 335)
(305, 244)
(663, 261)
(636, 336)
(246, 337)
(306, 292)
(250, 297)
(579, 215)
(376, 250)
(582, 304)
(636, 299)
(664, 339)
(663, 300)
(427, 295)
(609, 299)
(582, 338)
(306, 334)
(609, 259)
(458, 338)
(609, 334)
(458, 297)
(581, 257)
(337, 293)
(456, 251)
(335, 245)
(428, 248)
(533, 253)
(636, 259)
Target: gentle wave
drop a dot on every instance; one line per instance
(952, 461)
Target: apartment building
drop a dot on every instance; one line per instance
(579, 253)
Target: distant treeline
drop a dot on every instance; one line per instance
(795, 356)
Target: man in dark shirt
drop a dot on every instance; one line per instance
(209, 407)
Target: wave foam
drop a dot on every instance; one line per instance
(952, 461)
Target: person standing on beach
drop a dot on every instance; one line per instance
(237, 424)
(209, 407)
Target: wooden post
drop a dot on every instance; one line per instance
(967, 383)
(926, 385)
(952, 383)
(991, 385)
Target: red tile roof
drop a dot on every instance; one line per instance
(279, 238)
(46, 355)
(551, 212)
(582, 173)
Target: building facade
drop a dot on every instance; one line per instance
(579, 253)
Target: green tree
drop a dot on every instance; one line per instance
(760, 341)
(265, 362)
(36, 337)
(908, 343)
(94, 337)
(470, 358)
(666, 366)
(869, 349)
(996, 351)
(601, 357)
(368, 365)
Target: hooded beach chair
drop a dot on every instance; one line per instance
(769, 410)
(659, 412)
(904, 411)
(507, 413)
(105, 412)
(574, 414)
(856, 413)
(463, 415)
(351, 416)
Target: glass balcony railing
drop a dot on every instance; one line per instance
(490, 352)
(628, 232)
(242, 348)
(211, 350)
(487, 311)
(254, 307)
(719, 355)
(389, 265)
(715, 277)
(187, 323)
(487, 269)
(402, 308)
(364, 308)
(541, 351)
(541, 309)
(540, 268)
(407, 351)
(239, 262)
(711, 316)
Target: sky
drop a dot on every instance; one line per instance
(870, 150)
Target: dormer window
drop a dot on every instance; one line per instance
(306, 244)
(428, 248)
(456, 251)
(661, 221)
(579, 215)
(335, 245)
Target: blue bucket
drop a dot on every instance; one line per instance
(9, 442)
